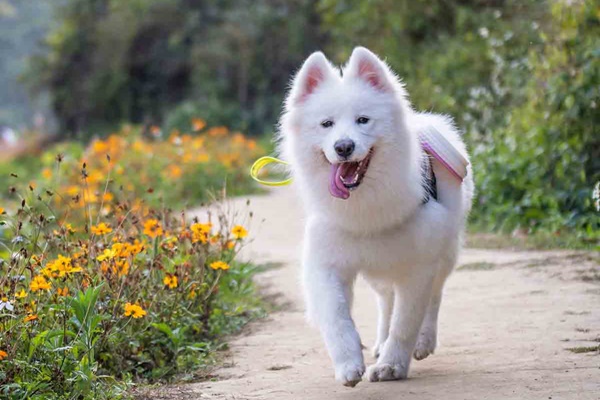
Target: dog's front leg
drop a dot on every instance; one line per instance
(328, 293)
(328, 298)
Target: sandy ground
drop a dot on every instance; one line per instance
(507, 322)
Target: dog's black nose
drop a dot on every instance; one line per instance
(344, 147)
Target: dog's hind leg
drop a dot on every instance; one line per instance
(411, 298)
(427, 340)
(385, 304)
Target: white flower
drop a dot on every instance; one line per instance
(6, 305)
(596, 196)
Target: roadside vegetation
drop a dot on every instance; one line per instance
(104, 280)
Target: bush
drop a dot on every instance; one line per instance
(538, 169)
(178, 170)
(521, 77)
(101, 285)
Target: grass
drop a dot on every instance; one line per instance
(584, 349)
(476, 266)
(537, 241)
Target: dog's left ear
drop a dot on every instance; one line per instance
(365, 65)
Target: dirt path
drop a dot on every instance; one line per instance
(507, 321)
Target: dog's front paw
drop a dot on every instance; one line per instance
(387, 372)
(425, 344)
(349, 373)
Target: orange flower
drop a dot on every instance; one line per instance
(101, 229)
(1, 210)
(174, 171)
(216, 265)
(217, 131)
(30, 317)
(133, 310)
(47, 173)
(153, 228)
(100, 147)
(3, 355)
(198, 124)
(155, 131)
(63, 292)
(122, 267)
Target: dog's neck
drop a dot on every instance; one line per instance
(391, 193)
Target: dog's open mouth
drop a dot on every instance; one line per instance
(347, 176)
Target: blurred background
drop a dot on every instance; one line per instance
(521, 78)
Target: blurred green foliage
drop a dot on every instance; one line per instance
(520, 76)
(163, 61)
(22, 24)
(523, 80)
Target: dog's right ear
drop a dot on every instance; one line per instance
(315, 70)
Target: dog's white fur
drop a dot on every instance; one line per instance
(404, 249)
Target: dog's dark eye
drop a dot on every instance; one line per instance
(327, 124)
(362, 120)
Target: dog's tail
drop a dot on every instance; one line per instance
(452, 193)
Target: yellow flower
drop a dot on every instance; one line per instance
(1, 210)
(201, 228)
(170, 281)
(101, 229)
(230, 245)
(3, 355)
(192, 294)
(39, 283)
(200, 232)
(21, 294)
(219, 265)
(30, 317)
(134, 310)
(68, 228)
(47, 173)
(72, 190)
(62, 291)
(203, 158)
(121, 268)
(60, 267)
(153, 228)
(136, 248)
(239, 232)
(107, 254)
(107, 197)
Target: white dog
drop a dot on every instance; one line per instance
(352, 141)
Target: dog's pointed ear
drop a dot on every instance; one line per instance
(315, 70)
(365, 65)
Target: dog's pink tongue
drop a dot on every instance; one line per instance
(336, 187)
